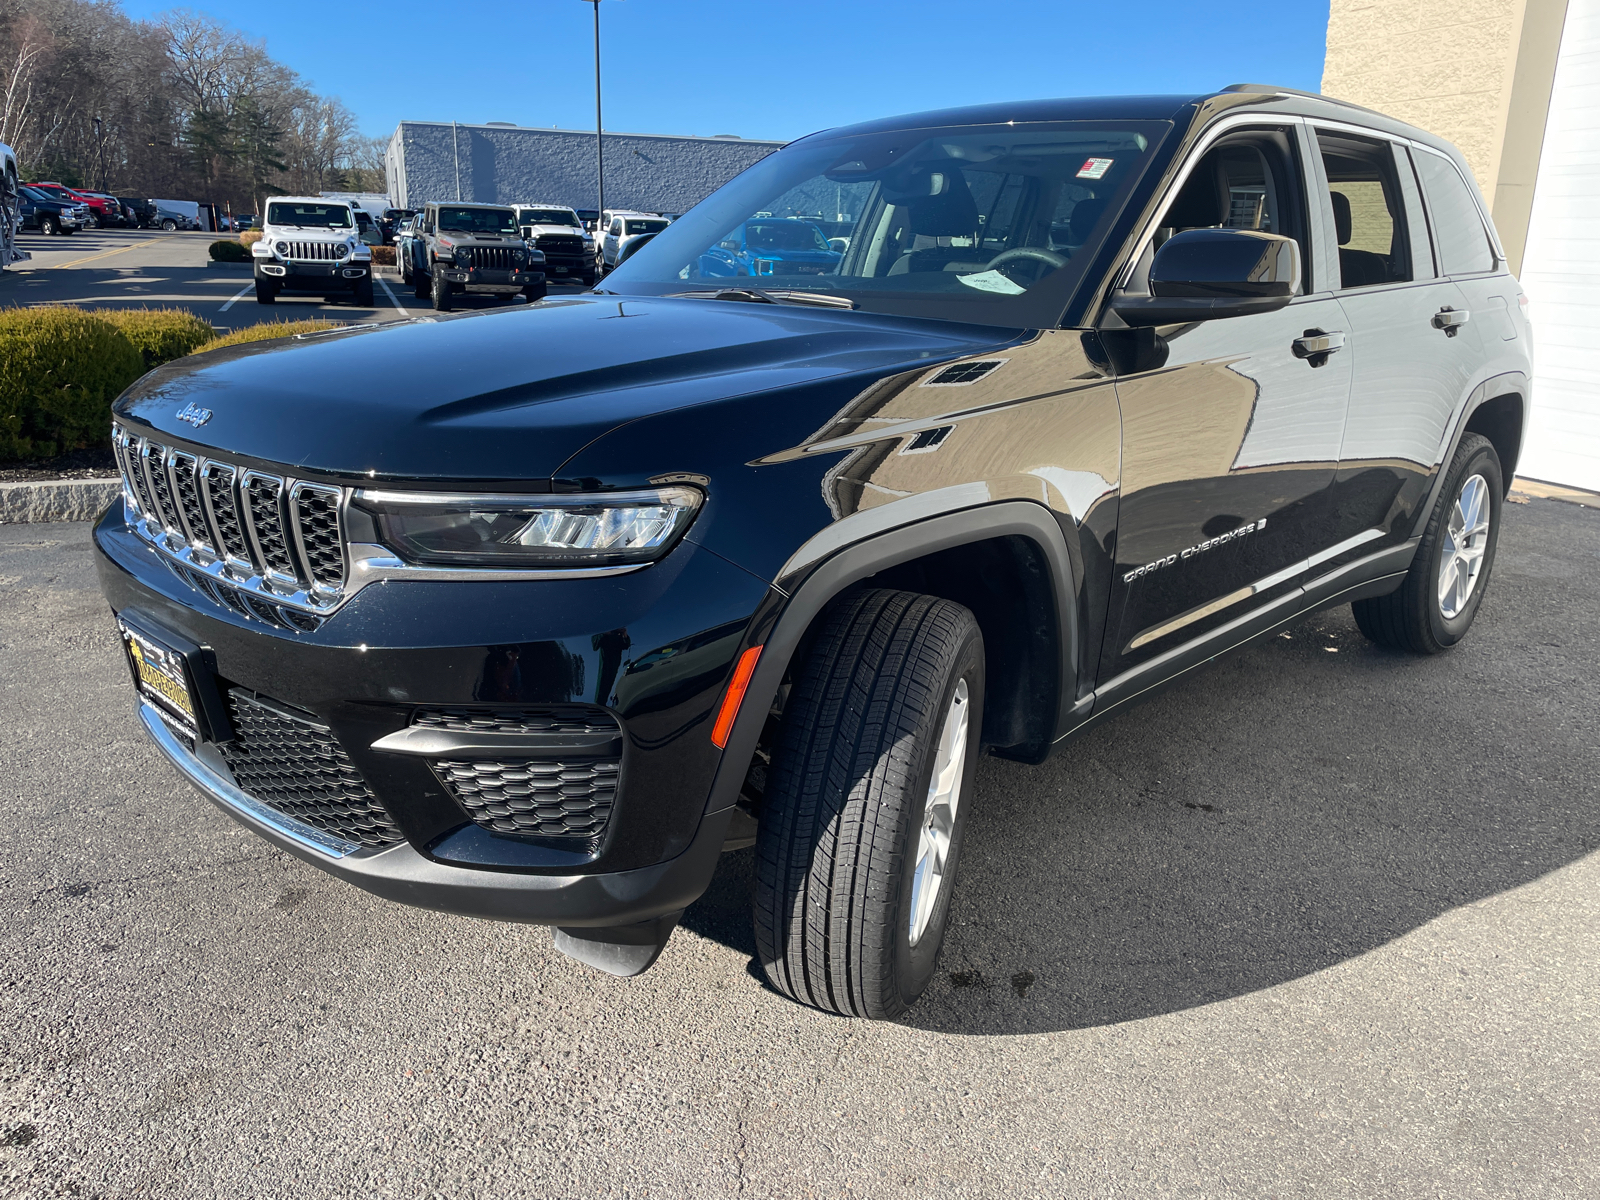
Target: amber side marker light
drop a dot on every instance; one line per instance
(734, 697)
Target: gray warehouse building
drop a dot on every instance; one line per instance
(510, 164)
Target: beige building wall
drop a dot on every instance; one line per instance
(1477, 72)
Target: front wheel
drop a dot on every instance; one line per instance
(266, 291)
(403, 264)
(441, 292)
(1433, 609)
(866, 803)
(535, 292)
(170, 226)
(49, 226)
(363, 292)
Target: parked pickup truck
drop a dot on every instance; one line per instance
(557, 233)
(50, 212)
(473, 248)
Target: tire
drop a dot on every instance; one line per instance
(846, 799)
(363, 292)
(403, 265)
(590, 280)
(266, 291)
(422, 289)
(440, 293)
(170, 226)
(48, 226)
(1419, 616)
(535, 293)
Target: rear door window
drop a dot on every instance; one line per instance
(1463, 242)
(1368, 210)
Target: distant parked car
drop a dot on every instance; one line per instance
(771, 245)
(143, 212)
(622, 227)
(99, 207)
(389, 223)
(171, 220)
(50, 213)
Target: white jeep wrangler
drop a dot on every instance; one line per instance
(311, 244)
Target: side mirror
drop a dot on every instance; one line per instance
(1207, 274)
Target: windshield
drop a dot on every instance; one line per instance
(548, 216)
(478, 220)
(317, 216)
(651, 226)
(992, 224)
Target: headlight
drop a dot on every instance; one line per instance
(282, 248)
(531, 531)
(341, 250)
(463, 256)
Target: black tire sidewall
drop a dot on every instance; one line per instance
(1447, 631)
(440, 292)
(914, 965)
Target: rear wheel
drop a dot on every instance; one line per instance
(867, 801)
(266, 291)
(1435, 606)
(441, 292)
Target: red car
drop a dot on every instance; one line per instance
(103, 209)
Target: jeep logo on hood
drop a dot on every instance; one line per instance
(196, 416)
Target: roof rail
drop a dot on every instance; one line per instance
(1274, 89)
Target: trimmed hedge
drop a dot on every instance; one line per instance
(60, 369)
(383, 256)
(250, 237)
(159, 334)
(229, 251)
(267, 331)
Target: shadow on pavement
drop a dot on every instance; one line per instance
(1297, 805)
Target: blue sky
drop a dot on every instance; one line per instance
(762, 69)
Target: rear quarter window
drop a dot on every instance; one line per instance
(1463, 242)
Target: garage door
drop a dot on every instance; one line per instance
(1561, 270)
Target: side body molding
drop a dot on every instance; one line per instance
(782, 620)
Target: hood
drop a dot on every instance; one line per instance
(540, 230)
(512, 394)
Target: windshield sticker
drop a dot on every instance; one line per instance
(992, 281)
(1095, 168)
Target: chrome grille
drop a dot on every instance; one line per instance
(534, 797)
(493, 258)
(292, 762)
(315, 251)
(186, 488)
(519, 720)
(316, 513)
(262, 496)
(264, 546)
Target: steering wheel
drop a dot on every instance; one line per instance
(1023, 253)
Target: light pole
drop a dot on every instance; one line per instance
(599, 145)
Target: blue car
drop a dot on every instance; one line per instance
(769, 246)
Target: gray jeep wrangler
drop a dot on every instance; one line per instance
(473, 248)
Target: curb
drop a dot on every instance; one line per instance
(56, 500)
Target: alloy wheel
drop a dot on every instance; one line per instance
(939, 812)
(1466, 537)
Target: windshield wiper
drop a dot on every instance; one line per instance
(770, 296)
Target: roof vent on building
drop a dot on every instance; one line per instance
(502, 124)
(732, 136)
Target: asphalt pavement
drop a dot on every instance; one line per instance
(1322, 921)
(143, 268)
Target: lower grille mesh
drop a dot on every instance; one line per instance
(534, 797)
(294, 764)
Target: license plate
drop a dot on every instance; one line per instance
(161, 674)
(559, 270)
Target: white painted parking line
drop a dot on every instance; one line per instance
(243, 292)
(384, 284)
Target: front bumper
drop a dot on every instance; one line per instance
(344, 273)
(654, 647)
(490, 281)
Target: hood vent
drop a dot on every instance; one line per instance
(962, 374)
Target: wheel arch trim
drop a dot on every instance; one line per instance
(1508, 383)
(783, 619)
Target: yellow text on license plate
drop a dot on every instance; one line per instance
(154, 675)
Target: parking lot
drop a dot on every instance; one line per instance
(138, 268)
(1321, 921)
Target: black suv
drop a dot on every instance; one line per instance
(1017, 414)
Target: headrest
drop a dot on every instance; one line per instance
(1085, 216)
(1204, 199)
(1341, 216)
(941, 204)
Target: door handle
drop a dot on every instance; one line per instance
(1451, 320)
(1315, 345)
